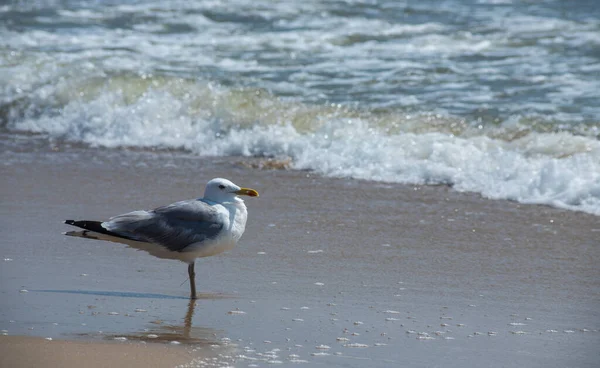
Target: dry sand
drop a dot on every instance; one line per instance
(330, 271)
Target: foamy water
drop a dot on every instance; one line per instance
(488, 97)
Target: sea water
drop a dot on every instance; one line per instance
(494, 97)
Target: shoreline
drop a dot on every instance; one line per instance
(41, 145)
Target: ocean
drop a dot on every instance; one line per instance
(496, 97)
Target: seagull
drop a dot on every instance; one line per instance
(184, 230)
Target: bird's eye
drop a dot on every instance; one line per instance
(221, 186)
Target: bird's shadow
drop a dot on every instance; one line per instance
(125, 294)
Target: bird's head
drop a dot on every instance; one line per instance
(223, 190)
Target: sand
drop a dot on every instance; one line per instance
(25, 351)
(332, 272)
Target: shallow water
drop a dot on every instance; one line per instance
(380, 273)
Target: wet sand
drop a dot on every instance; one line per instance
(330, 271)
(37, 352)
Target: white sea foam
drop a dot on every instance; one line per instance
(559, 169)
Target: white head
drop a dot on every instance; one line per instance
(222, 190)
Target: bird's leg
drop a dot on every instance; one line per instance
(192, 275)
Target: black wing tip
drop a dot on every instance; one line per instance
(87, 225)
(93, 226)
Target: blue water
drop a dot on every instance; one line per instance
(497, 97)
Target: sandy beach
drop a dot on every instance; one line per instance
(37, 352)
(330, 272)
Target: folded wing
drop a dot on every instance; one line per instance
(175, 226)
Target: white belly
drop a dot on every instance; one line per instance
(207, 249)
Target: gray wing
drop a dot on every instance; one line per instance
(174, 226)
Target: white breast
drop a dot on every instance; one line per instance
(235, 215)
(238, 215)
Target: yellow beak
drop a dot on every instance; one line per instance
(247, 191)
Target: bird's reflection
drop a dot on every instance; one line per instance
(185, 334)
